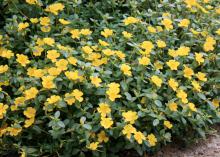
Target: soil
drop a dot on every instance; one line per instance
(202, 148)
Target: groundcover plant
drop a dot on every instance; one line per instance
(98, 77)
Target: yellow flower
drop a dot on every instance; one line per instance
(95, 80)
(120, 54)
(47, 82)
(139, 137)
(14, 131)
(156, 80)
(64, 22)
(37, 50)
(32, 1)
(130, 20)
(108, 52)
(184, 23)
(209, 44)
(69, 98)
(103, 43)
(49, 41)
(173, 64)
(62, 64)
(113, 91)
(158, 65)
(173, 84)
(192, 107)
(199, 58)
(107, 33)
(75, 33)
(151, 29)
(6, 53)
(29, 122)
(167, 124)
(215, 102)
(85, 31)
(45, 28)
(72, 60)
(172, 53)
(3, 110)
(147, 46)
(102, 137)
(183, 51)
(44, 21)
(55, 8)
(78, 95)
(22, 59)
(53, 55)
(54, 71)
(126, 69)
(53, 99)
(173, 106)
(22, 26)
(152, 139)
(188, 72)
(144, 60)
(218, 31)
(72, 75)
(128, 130)
(191, 3)
(3, 68)
(201, 76)
(93, 145)
(182, 95)
(30, 93)
(19, 100)
(106, 122)
(161, 44)
(87, 49)
(127, 35)
(167, 23)
(34, 20)
(30, 112)
(130, 116)
(196, 86)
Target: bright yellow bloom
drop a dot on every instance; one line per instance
(173, 84)
(209, 44)
(108, 52)
(130, 20)
(128, 130)
(172, 53)
(78, 95)
(37, 50)
(218, 31)
(34, 20)
(151, 29)
(85, 31)
(95, 80)
(53, 99)
(196, 86)
(75, 33)
(87, 49)
(188, 72)
(199, 58)
(72, 75)
(30, 112)
(126, 69)
(173, 64)
(215, 102)
(3, 68)
(55, 8)
(22, 26)
(29, 122)
(54, 71)
(102, 137)
(113, 91)
(192, 107)
(14, 131)
(106, 122)
(107, 33)
(167, 124)
(32, 1)
(64, 22)
(182, 95)
(49, 41)
(127, 35)
(158, 65)
(147, 46)
(139, 137)
(22, 59)
(104, 109)
(103, 43)
(184, 23)
(183, 51)
(130, 116)
(69, 98)
(47, 82)
(167, 23)
(161, 44)
(120, 54)
(44, 21)
(173, 106)
(62, 64)
(72, 60)
(152, 139)
(52, 55)
(201, 76)
(156, 80)
(93, 145)
(31, 93)
(3, 110)
(144, 60)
